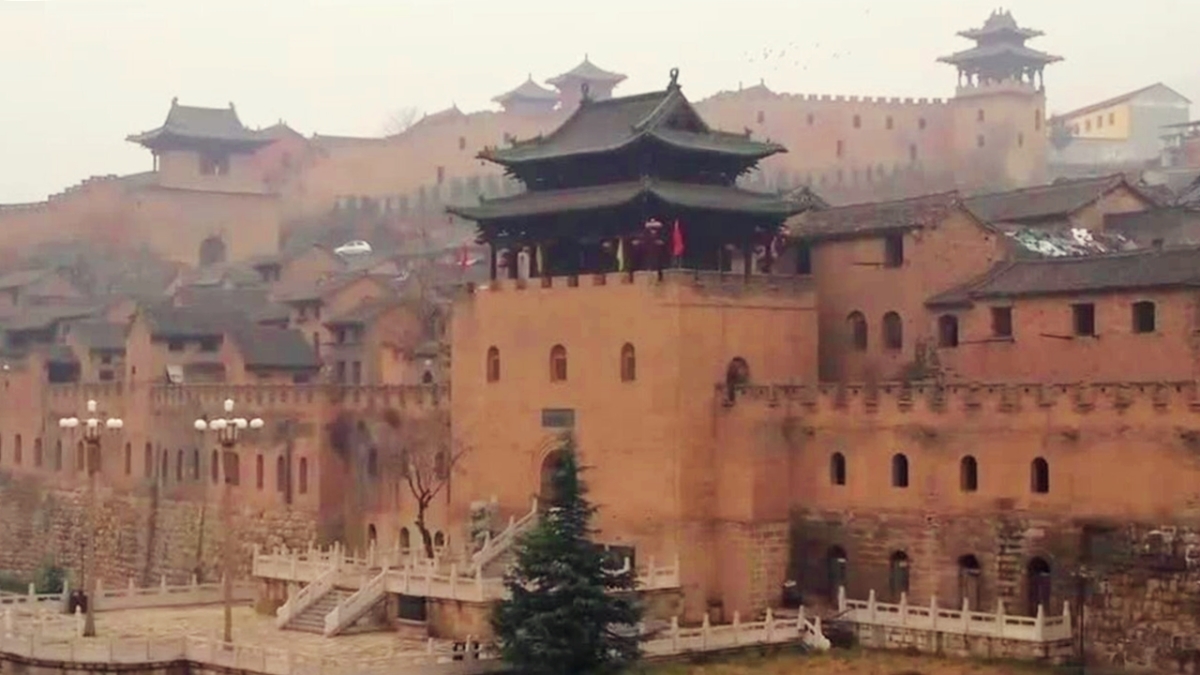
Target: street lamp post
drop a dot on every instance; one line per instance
(93, 432)
(228, 430)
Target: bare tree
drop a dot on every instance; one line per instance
(401, 120)
(421, 453)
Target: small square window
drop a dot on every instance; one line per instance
(1143, 317)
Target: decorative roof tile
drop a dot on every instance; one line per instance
(870, 218)
(585, 71)
(611, 124)
(1142, 269)
(687, 195)
(202, 124)
(1044, 202)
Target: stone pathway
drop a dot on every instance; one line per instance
(250, 628)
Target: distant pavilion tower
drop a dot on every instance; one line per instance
(528, 99)
(599, 82)
(204, 148)
(1000, 55)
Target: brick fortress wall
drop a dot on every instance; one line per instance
(1129, 525)
(157, 504)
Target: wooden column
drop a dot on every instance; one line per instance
(492, 261)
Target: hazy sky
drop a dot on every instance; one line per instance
(79, 75)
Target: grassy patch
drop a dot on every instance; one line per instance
(844, 662)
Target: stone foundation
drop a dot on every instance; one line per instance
(962, 646)
(138, 535)
(457, 620)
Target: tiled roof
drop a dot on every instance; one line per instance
(100, 335)
(264, 347)
(874, 217)
(586, 71)
(999, 23)
(41, 318)
(203, 124)
(321, 289)
(23, 278)
(1110, 102)
(1042, 202)
(364, 313)
(1191, 196)
(1171, 225)
(604, 126)
(530, 91)
(1146, 268)
(686, 195)
(192, 322)
(253, 303)
(1000, 49)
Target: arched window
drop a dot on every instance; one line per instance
(372, 462)
(439, 540)
(58, 455)
(493, 364)
(280, 474)
(129, 459)
(303, 478)
(1037, 581)
(17, 450)
(858, 331)
(551, 465)
(628, 363)
(837, 469)
(898, 574)
(164, 466)
(558, 364)
(1039, 476)
(80, 456)
(179, 466)
(947, 330)
(893, 331)
(147, 460)
(737, 374)
(212, 251)
(371, 536)
(970, 581)
(196, 464)
(216, 467)
(836, 570)
(233, 469)
(258, 471)
(405, 539)
(37, 452)
(968, 474)
(899, 470)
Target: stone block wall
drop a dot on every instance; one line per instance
(139, 535)
(962, 646)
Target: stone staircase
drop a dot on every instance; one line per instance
(312, 619)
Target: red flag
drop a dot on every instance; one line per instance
(676, 240)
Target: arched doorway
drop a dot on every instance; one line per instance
(551, 466)
(970, 583)
(898, 575)
(212, 251)
(1037, 580)
(737, 374)
(371, 535)
(835, 565)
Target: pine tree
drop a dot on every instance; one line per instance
(569, 611)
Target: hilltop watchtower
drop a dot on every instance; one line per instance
(598, 81)
(1000, 54)
(528, 99)
(1000, 106)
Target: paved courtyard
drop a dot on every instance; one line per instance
(248, 628)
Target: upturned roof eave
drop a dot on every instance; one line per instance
(502, 157)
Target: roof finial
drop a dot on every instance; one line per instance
(231, 106)
(174, 101)
(531, 76)
(585, 57)
(674, 78)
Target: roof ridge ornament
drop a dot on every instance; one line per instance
(674, 78)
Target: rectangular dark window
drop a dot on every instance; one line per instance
(1084, 319)
(411, 608)
(210, 344)
(558, 418)
(1143, 317)
(1002, 326)
(175, 345)
(803, 258)
(893, 250)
